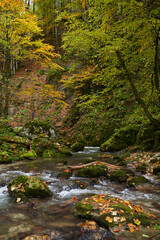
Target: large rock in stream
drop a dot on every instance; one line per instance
(111, 212)
(23, 187)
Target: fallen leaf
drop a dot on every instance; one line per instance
(146, 236)
(123, 219)
(116, 219)
(108, 219)
(18, 199)
(13, 188)
(137, 222)
(114, 213)
(116, 230)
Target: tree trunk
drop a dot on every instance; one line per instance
(153, 121)
(109, 166)
(156, 67)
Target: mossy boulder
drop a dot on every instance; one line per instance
(23, 187)
(55, 153)
(77, 147)
(142, 168)
(41, 143)
(119, 176)
(93, 171)
(156, 170)
(137, 180)
(46, 148)
(36, 127)
(111, 211)
(31, 155)
(5, 157)
(122, 139)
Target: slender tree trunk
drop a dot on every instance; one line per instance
(6, 107)
(1, 96)
(156, 67)
(7, 72)
(153, 121)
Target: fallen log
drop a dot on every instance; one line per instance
(109, 166)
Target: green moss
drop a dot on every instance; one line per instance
(49, 153)
(83, 210)
(142, 218)
(111, 211)
(37, 127)
(24, 186)
(55, 153)
(40, 144)
(93, 171)
(121, 162)
(137, 180)
(31, 155)
(142, 168)
(5, 157)
(77, 147)
(120, 176)
(121, 139)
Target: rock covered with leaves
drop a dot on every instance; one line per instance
(23, 187)
(112, 212)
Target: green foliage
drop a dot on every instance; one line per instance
(94, 35)
(41, 72)
(53, 76)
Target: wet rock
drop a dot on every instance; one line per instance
(16, 216)
(93, 171)
(53, 174)
(79, 184)
(156, 170)
(137, 180)
(24, 186)
(109, 212)
(65, 174)
(119, 176)
(142, 168)
(77, 147)
(19, 229)
(37, 237)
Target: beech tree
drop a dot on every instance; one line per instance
(20, 39)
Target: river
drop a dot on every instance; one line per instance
(54, 216)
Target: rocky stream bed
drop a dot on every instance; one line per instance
(55, 217)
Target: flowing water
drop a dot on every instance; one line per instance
(54, 215)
